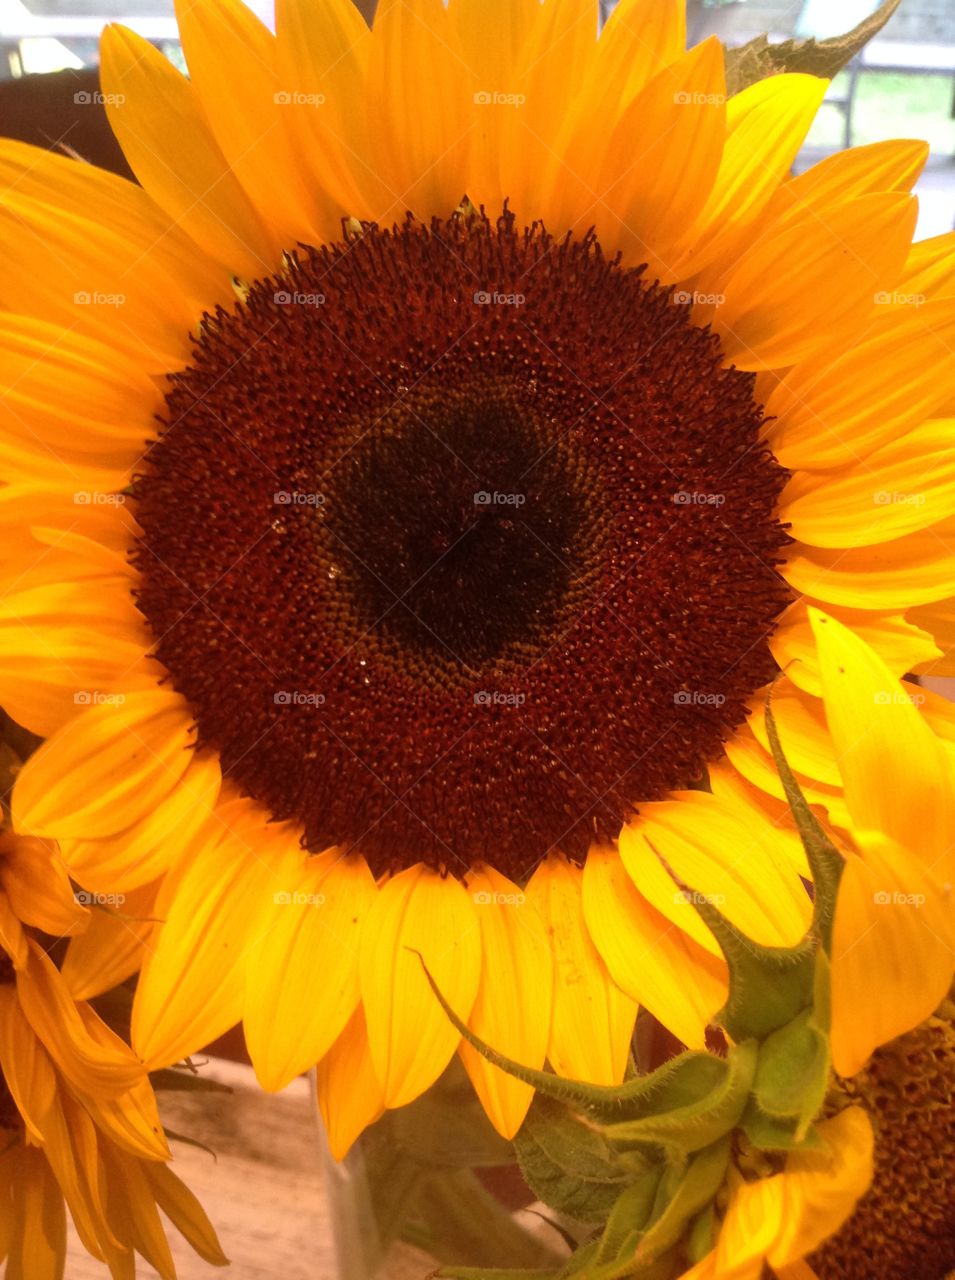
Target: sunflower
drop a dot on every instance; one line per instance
(79, 1119)
(414, 486)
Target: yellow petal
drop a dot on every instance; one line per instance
(111, 948)
(88, 250)
(755, 763)
(27, 1070)
(105, 769)
(906, 485)
(913, 570)
(593, 1019)
(838, 408)
(185, 1212)
(39, 1249)
(231, 58)
(417, 916)
(788, 293)
(513, 1005)
(35, 880)
(289, 1024)
(649, 957)
(902, 646)
(350, 1095)
(766, 126)
(727, 855)
(893, 951)
(896, 774)
(154, 112)
(215, 906)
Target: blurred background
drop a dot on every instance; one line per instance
(902, 85)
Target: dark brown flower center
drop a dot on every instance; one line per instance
(461, 543)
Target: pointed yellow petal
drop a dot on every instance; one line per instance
(27, 1069)
(838, 408)
(901, 645)
(111, 948)
(417, 915)
(915, 569)
(105, 769)
(513, 1005)
(727, 854)
(350, 1095)
(593, 1019)
(231, 58)
(35, 880)
(766, 126)
(185, 1212)
(648, 956)
(215, 906)
(893, 951)
(39, 1248)
(154, 112)
(896, 774)
(322, 906)
(906, 485)
(788, 293)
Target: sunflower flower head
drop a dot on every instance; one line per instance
(415, 483)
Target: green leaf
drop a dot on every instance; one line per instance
(825, 860)
(569, 1165)
(792, 1072)
(715, 1109)
(702, 1234)
(758, 59)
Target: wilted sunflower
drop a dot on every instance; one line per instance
(79, 1127)
(400, 526)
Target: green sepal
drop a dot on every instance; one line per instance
(792, 1072)
(768, 986)
(702, 1235)
(673, 1084)
(630, 1215)
(695, 1186)
(770, 1133)
(715, 1109)
(570, 1165)
(754, 61)
(825, 860)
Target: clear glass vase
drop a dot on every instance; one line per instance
(432, 1185)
